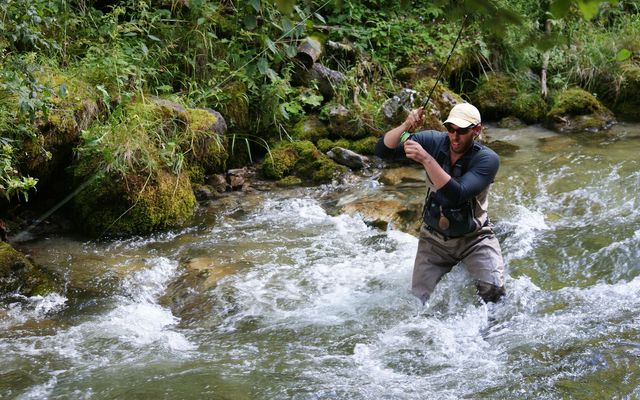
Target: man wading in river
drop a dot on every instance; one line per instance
(455, 225)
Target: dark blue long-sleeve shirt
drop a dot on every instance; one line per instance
(479, 166)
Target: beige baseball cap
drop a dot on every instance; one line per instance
(463, 115)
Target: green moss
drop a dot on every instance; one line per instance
(530, 107)
(203, 143)
(407, 74)
(494, 96)
(74, 102)
(301, 159)
(311, 129)
(200, 119)
(196, 174)
(325, 145)
(289, 181)
(235, 108)
(574, 101)
(18, 274)
(137, 205)
(364, 146)
(279, 162)
(627, 103)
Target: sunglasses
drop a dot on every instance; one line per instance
(460, 131)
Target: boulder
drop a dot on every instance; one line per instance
(344, 123)
(388, 213)
(396, 108)
(348, 158)
(576, 110)
(410, 176)
(19, 275)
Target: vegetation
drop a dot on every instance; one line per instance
(83, 83)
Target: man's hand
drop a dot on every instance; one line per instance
(415, 119)
(415, 152)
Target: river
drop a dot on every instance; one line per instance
(309, 303)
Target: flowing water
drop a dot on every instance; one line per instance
(308, 303)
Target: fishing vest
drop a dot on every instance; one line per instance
(464, 218)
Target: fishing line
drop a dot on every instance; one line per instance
(442, 67)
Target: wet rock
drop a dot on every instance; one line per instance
(403, 175)
(503, 148)
(19, 275)
(218, 182)
(556, 144)
(204, 192)
(347, 158)
(396, 109)
(238, 178)
(385, 213)
(187, 294)
(511, 122)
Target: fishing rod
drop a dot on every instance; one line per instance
(406, 135)
(443, 66)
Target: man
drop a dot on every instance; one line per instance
(456, 227)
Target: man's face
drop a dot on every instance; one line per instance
(461, 139)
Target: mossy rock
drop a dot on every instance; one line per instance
(407, 74)
(345, 122)
(135, 205)
(511, 122)
(19, 275)
(494, 96)
(49, 151)
(366, 146)
(301, 159)
(289, 181)
(441, 102)
(205, 137)
(310, 128)
(576, 110)
(627, 104)
(503, 148)
(530, 107)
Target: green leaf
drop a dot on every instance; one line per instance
(291, 50)
(250, 21)
(152, 37)
(623, 55)
(62, 91)
(589, 8)
(560, 8)
(263, 65)
(200, 21)
(272, 46)
(256, 5)
(285, 6)
(287, 26)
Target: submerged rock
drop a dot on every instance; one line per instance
(19, 275)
